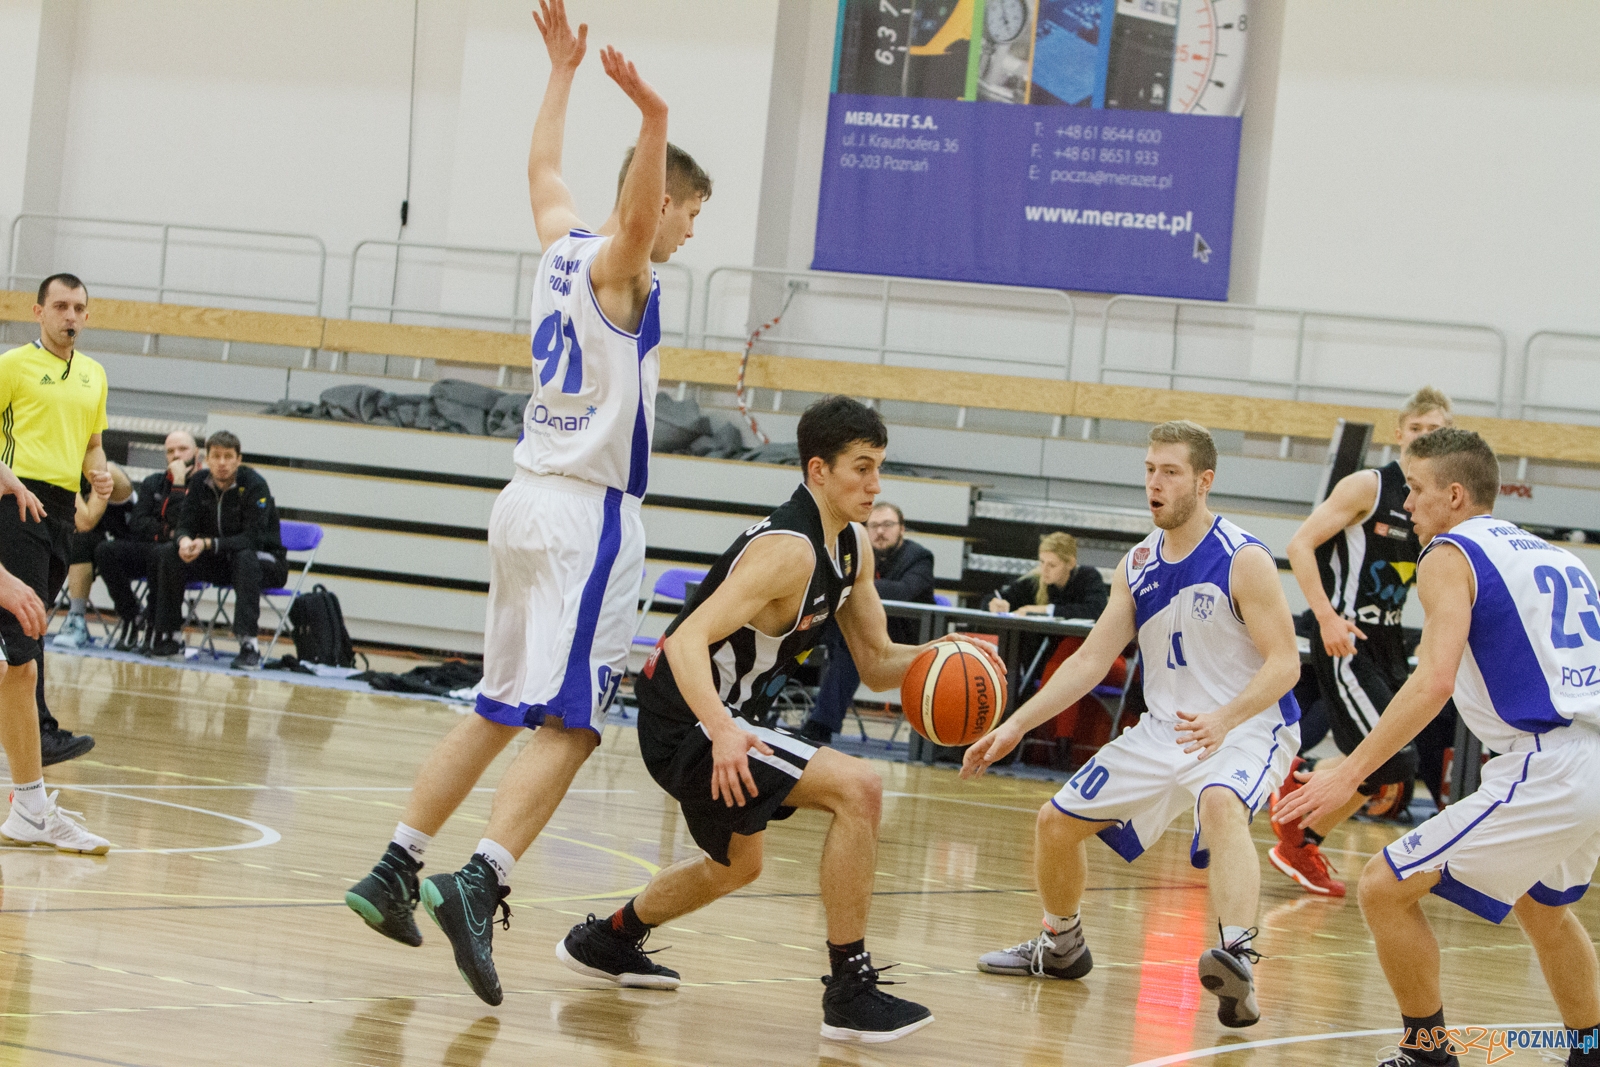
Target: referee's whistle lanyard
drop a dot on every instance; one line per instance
(66, 373)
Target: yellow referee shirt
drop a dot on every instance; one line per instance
(49, 408)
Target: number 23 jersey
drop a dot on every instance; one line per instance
(592, 414)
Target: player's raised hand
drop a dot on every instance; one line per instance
(24, 603)
(621, 70)
(988, 750)
(1201, 733)
(1339, 636)
(730, 764)
(565, 47)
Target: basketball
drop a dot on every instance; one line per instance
(952, 694)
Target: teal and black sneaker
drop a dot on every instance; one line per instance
(463, 904)
(387, 897)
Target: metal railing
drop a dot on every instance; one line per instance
(796, 283)
(1533, 366)
(1297, 383)
(162, 234)
(509, 268)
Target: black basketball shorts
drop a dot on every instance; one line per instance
(36, 553)
(1356, 689)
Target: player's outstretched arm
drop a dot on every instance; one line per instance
(553, 210)
(1445, 585)
(1259, 597)
(1350, 502)
(773, 568)
(1080, 673)
(625, 260)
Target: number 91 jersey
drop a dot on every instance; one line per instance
(592, 414)
(1532, 662)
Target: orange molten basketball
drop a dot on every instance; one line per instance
(952, 694)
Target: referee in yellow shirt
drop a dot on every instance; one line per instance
(52, 410)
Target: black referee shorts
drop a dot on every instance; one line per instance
(678, 756)
(1356, 689)
(36, 553)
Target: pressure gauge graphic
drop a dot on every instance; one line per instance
(1004, 20)
(1208, 60)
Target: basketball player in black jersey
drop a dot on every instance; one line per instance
(716, 671)
(1356, 559)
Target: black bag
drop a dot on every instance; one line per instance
(319, 633)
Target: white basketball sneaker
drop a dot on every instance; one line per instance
(55, 828)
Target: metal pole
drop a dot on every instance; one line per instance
(1172, 360)
(1299, 352)
(883, 325)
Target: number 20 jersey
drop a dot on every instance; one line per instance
(1532, 662)
(592, 414)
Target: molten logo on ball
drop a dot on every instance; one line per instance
(952, 694)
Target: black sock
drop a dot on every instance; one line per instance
(626, 922)
(401, 856)
(1311, 836)
(1579, 1057)
(1419, 1042)
(839, 955)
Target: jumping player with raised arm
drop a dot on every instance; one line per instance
(566, 544)
(1202, 598)
(1513, 633)
(1355, 558)
(714, 674)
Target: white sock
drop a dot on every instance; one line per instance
(1060, 924)
(415, 842)
(78, 605)
(498, 858)
(31, 797)
(1235, 936)
(246, 642)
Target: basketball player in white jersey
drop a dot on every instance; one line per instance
(1513, 632)
(566, 545)
(1357, 549)
(1203, 600)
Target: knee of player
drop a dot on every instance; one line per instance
(742, 869)
(1378, 884)
(864, 794)
(1220, 806)
(21, 674)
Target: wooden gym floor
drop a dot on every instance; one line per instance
(241, 809)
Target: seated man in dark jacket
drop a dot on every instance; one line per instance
(904, 572)
(151, 525)
(226, 534)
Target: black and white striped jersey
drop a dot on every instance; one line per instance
(1368, 568)
(748, 667)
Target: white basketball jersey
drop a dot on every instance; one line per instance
(593, 410)
(1197, 654)
(1532, 662)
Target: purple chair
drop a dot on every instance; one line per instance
(297, 537)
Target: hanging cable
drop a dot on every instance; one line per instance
(744, 362)
(411, 129)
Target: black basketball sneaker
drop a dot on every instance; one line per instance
(855, 1009)
(593, 948)
(463, 904)
(387, 897)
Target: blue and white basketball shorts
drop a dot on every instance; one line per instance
(1533, 827)
(565, 561)
(1144, 779)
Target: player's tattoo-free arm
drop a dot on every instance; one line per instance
(1350, 502)
(1080, 673)
(1258, 594)
(1445, 585)
(625, 259)
(554, 212)
(773, 569)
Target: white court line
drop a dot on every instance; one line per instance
(299, 788)
(269, 836)
(1300, 1039)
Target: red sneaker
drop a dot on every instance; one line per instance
(1308, 866)
(1292, 836)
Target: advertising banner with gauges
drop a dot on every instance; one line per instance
(1066, 144)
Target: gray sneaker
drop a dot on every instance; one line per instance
(1226, 971)
(74, 633)
(1063, 955)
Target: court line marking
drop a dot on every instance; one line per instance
(269, 836)
(66, 1055)
(1299, 1039)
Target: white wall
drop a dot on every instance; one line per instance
(1437, 158)
(292, 114)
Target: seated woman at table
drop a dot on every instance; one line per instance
(1057, 586)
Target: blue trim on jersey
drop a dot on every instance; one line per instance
(1460, 893)
(504, 714)
(574, 701)
(649, 340)
(1557, 898)
(1289, 708)
(582, 233)
(655, 290)
(1122, 838)
(1499, 641)
(1401, 868)
(1209, 561)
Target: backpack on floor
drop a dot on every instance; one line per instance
(319, 633)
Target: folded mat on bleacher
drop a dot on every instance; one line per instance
(449, 406)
